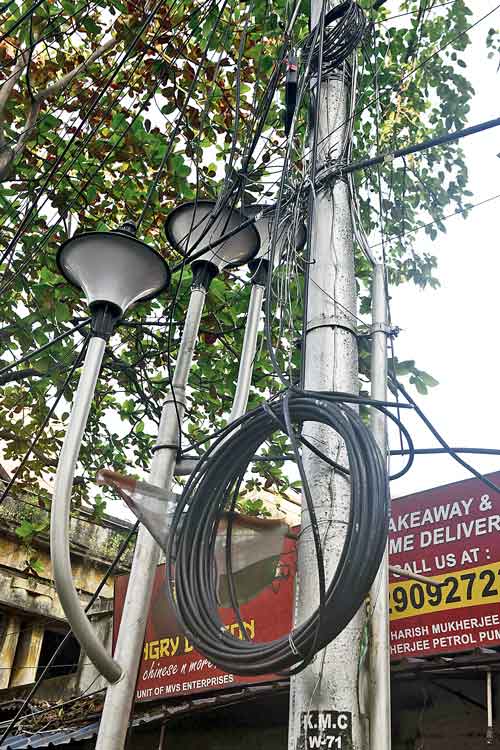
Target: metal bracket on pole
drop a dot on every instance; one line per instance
(332, 321)
(381, 328)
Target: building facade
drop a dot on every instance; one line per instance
(32, 623)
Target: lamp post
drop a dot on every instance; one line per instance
(259, 267)
(115, 271)
(187, 226)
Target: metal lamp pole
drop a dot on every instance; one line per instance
(119, 696)
(380, 675)
(185, 466)
(115, 271)
(186, 226)
(61, 507)
(250, 340)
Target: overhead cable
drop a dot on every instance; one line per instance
(418, 228)
(45, 422)
(395, 384)
(149, 17)
(438, 140)
(36, 352)
(98, 168)
(21, 20)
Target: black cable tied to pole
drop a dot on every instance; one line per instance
(211, 492)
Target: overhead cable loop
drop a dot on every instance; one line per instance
(394, 88)
(209, 492)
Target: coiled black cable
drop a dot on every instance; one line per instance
(212, 489)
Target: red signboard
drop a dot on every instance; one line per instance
(452, 534)
(170, 666)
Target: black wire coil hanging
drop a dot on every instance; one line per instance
(212, 490)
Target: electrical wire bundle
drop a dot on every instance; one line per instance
(341, 40)
(212, 490)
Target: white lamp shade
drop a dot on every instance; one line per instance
(189, 229)
(264, 226)
(113, 267)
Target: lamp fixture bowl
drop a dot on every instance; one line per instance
(264, 227)
(189, 229)
(113, 268)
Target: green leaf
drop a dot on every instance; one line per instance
(62, 312)
(25, 530)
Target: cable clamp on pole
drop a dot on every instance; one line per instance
(332, 321)
(381, 328)
(293, 647)
(165, 446)
(177, 400)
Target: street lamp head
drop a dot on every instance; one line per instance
(114, 270)
(190, 228)
(264, 226)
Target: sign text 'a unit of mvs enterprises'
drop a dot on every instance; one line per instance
(451, 534)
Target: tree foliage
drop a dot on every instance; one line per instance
(90, 97)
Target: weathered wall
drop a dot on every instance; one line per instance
(29, 602)
(92, 546)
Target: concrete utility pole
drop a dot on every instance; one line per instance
(380, 675)
(324, 697)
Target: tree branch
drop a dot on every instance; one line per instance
(6, 89)
(56, 87)
(14, 376)
(36, 101)
(29, 127)
(8, 435)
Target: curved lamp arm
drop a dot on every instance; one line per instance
(60, 516)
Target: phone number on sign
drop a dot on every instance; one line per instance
(467, 588)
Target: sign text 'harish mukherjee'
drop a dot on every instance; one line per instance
(451, 534)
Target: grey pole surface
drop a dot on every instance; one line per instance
(330, 683)
(380, 675)
(120, 696)
(248, 352)
(60, 515)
